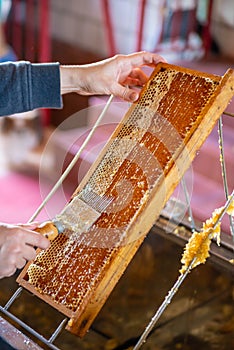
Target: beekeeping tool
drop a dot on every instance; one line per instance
(79, 214)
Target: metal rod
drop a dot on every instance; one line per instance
(57, 331)
(10, 302)
(73, 162)
(193, 226)
(224, 172)
(28, 328)
(162, 307)
(222, 161)
(176, 286)
(229, 114)
(230, 199)
(12, 299)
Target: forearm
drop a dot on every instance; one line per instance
(25, 86)
(74, 78)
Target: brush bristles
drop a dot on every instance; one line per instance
(97, 202)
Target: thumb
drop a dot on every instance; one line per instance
(29, 226)
(125, 93)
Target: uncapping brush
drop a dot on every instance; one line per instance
(79, 215)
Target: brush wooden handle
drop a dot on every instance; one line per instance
(48, 229)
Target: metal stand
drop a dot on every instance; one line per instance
(182, 277)
(55, 334)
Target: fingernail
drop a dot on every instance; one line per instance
(133, 97)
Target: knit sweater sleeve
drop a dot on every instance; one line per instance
(26, 86)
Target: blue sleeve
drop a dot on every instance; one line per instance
(26, 86)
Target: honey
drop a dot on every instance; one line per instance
(199, 244)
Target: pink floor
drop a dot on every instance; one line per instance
(21, 195)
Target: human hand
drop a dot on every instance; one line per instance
(17, 247)
(116, 75)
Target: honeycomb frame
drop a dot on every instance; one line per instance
(140, 166)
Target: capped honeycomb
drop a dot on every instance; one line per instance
(139, 168)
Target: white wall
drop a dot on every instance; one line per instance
(223, 25)
(81, 22)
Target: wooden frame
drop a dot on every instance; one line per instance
(146, 157)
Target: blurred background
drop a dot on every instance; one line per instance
(36, 148)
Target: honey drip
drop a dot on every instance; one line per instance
(199, 244)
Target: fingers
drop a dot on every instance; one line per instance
(20, 262)
(12, 263)
(152, 58)
(17, 246)
(139, 75)
(35, 239)
(29, 253)
(139, 59)
(7, 271)
(130, 73)
(125, 93)
(136, 78)
(145, 58)
(30, 226)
